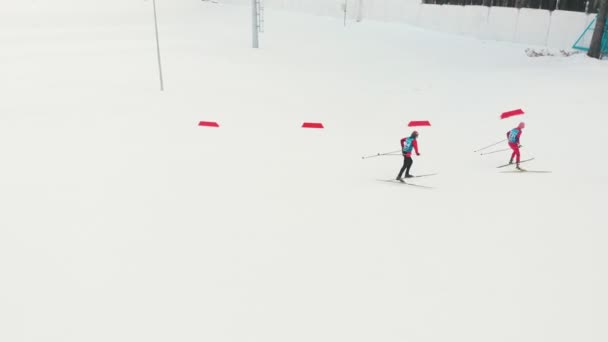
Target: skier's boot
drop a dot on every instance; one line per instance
(408, 176)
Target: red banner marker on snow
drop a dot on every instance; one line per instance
(312, 125)
(511, 113)
(208, 124)
(418, 123)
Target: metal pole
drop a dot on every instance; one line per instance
(392, 153)
(494, 144)
(254, 22)
(160, 68)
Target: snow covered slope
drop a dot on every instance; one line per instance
(122, 220)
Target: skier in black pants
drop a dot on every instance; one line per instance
(407, 145)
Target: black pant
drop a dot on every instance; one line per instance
(407, 164)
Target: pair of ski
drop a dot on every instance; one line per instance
(520, 170)
(402, 181)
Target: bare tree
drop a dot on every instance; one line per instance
(595, 49)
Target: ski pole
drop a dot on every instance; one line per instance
(494, 144)
(381, 154)
(486, 153)
(504, 149)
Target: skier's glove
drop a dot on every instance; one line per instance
(417, 154)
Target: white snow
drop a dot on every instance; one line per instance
(122, 220)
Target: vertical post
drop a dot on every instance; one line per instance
(254, 22)
(345, 10)
(160, 68)
(595, 48)
(548, 35)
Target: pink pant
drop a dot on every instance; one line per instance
(515, 149)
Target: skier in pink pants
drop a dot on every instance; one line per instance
(513, 137)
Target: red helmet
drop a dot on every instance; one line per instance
(414, 133)
(521, 125)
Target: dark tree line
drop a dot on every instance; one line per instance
(589, 6)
